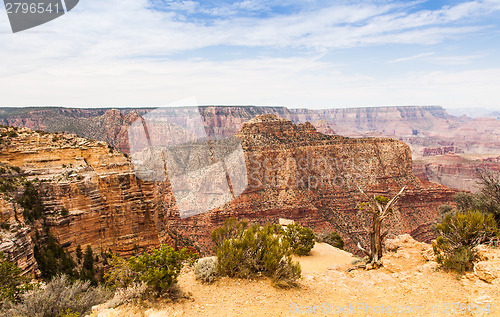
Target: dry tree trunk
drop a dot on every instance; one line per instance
(379, 211)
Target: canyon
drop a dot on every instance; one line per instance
(294, 172)
(430, 131)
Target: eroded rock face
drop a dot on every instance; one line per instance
(429, 131)
(455, 170)
(15, 240)
(293, 172)
(108, 207)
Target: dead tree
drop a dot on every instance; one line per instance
(380, 208)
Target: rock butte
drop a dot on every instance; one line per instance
(294, 172)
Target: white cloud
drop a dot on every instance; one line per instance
(127, 28)
(456, 59)
(300, 82)
(410, 58)
(119, 53)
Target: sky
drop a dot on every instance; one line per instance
(301, 54)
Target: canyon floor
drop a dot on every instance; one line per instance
(409, 284)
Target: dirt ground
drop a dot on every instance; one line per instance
(407, 285)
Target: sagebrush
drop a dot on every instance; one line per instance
(301, 239)
(205, 269)
(248, 251)
(59, 297)
(458, 235)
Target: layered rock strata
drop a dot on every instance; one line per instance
(293, 172)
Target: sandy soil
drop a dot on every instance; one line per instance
(407, 283)
(322, 257)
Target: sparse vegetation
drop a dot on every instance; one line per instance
(458, 235)
(64, 212)
(249, 251)
(12, 134)
(31, 203)
(5, 225)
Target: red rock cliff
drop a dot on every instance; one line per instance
(293, 172)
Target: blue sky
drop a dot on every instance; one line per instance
(315, 54)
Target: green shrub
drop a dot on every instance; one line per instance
(12, 284)
(68, 313)
(458, 235)
(6, 187)
(333, 239)
(16, 169)
(158, 268)
(248, 251)
(60, 296)
(121, 275)
(12, 134)
(64, 212)
(205, 269)
(301, 239)
(444, 209)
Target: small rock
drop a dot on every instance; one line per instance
(334, 267)
(428, 267)
(487, 271)
(393, 245)
(428, 254)
(482, 300)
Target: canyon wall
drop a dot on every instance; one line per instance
(108, 207)
(455, 170)
(296, 173)
(423, 128)
(293, 172)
